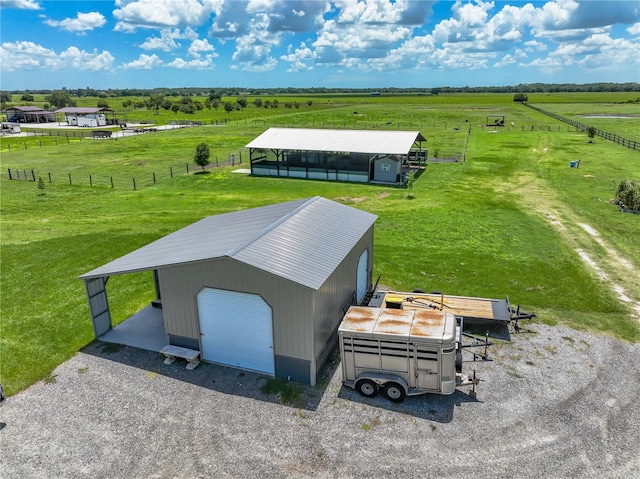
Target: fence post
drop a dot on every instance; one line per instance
(154, 178)
(33, 175)
(134, 184)
(49, 177)
(69, 178)
(111, 178)
(9, 170)
(187, 167)
(25, 145)
(90, 181)
(171, 171)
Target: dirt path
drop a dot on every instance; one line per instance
(613, 269)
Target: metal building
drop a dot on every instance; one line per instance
(338, 155)
(262, 289)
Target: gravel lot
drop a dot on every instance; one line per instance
(554, 403)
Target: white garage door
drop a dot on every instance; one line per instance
(236, 330)
(361, 280)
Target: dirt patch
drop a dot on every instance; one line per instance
(383, 195)
(347, 199)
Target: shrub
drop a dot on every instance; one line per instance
(628, 195)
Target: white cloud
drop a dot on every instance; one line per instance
(300, 59)
(199, 46)
(144, 62)
(167, 40)
(20, 4)
(81, 24)
(634, 29)
(205, 63)
(29, 56)
(134, 14)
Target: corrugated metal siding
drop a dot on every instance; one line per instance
(291, 303)
(330, 299)
(357, 141)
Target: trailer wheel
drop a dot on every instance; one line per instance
(394, 392)
(367, 388)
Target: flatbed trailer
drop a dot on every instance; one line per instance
(464, 308)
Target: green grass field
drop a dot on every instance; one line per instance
(505, 222)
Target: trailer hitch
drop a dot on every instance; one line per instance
(516, 315)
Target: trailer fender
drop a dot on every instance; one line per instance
(382, 378)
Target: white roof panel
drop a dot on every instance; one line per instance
(356, 141)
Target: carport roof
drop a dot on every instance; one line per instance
(81, 110)
(356, 141)
(303, 241)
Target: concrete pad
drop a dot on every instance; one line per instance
(144, 330)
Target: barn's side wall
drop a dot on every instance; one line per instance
(291, 305)
(333, 297)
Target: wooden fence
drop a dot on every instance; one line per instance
(633, 144)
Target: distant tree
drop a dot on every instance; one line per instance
(242, 101)
(410, 182)
(228, 107)
(60, 99)
(166, 104)
(201, 157)
(216, 104)
(5, 97)
(520, 97)
(41, 186)
(258, 102)
(103, 104)
(591, 133)
(175, 108)
(27, 97)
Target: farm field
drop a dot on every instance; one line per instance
(513, 219)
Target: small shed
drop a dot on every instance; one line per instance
(262, 289)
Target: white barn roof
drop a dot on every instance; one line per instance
(356, 141)
(303, 241)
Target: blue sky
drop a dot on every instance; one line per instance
(315, 43)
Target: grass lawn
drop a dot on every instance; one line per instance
(509, 221)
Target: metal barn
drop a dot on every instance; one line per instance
(337, 155)
(262, 289)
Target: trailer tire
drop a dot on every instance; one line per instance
(394, 392)
(367, 388)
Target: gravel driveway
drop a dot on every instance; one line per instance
(554, 403)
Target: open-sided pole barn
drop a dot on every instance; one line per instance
(339, 155)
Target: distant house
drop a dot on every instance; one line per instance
(80, 116)
(29, 114)
(338, 155)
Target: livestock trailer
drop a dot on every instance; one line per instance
(399, 352)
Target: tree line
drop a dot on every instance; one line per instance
(241, 91)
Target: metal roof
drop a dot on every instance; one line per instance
(81, 110)
(356, 141)
(28, 109)
(303, 241)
